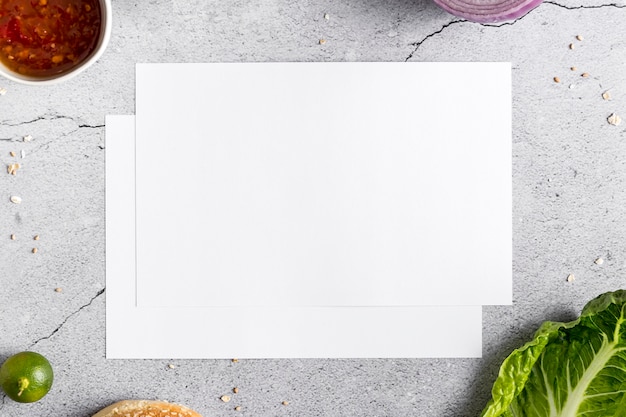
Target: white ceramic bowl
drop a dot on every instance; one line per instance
(105, 35)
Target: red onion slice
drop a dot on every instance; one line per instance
(488, 11)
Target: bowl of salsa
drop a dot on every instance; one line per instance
(49, 41)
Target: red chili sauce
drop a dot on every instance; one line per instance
(39, 38)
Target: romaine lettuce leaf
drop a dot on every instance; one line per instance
(568, 369)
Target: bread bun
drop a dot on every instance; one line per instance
(145, 408)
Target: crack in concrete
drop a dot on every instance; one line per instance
(430, 35)
(38, 119)
(46, 145)
(60, 326)
(444, 27)
(47, 118)
(599, 6)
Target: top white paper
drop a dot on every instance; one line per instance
(310, 184)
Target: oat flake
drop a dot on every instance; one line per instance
(614, 119)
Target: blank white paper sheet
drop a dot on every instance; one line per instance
(254, 332)
(323, 184)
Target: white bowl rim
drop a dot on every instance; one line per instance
(106, 36)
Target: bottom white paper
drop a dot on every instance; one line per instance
(254, 332)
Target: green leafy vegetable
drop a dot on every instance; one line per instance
(575, 369)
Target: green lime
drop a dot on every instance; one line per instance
(26, 377)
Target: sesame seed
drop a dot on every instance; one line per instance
(13, 237)
(571, 278)
(579, 37)
(557, 79)
(238, 408)
(12, 153)
(234, 360)
(35, 250)
(285, 403)
(15, 199)
(58, 289)
(36, 237)
(171, 366)
(326, 16)
(236, 390)
(572, 46)
(27, 138)
(599, 261)
(3, 91)
(585, 75)
(225, 398)
(573, 68)
(322, 41)
(606, 95)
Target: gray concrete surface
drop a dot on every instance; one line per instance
(569, 180)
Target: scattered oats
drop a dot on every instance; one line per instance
(58, 289)
(571, 278)
(171, 366)
(585, 75)
(35, 250)
(236, 390)
(285, 403)
(326, 16)
(27, 138)
(3, 91)
(322, 41)
(36, 237)
(572, 46)
(238, 408)
(225, 398)
(13, 237)
(606, 95)
(12, 154)
(579, 37)
(12, 168)
(599, 261)
(235, 360)
(573, 68)
(557, 79)
(572, 86)
(15, 199)
(614, 119)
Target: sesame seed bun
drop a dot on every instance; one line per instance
(145, 408)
